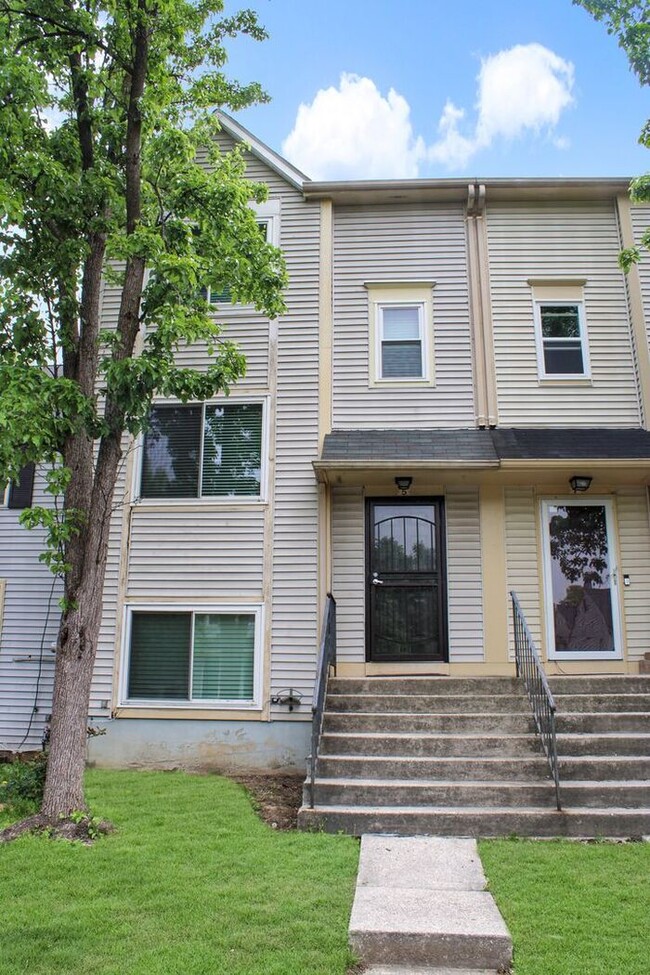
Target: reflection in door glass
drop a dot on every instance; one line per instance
(581, 578)
(404, 538)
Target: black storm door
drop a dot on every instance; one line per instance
(406, 598)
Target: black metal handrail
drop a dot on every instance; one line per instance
(529, 667)
(326, 659)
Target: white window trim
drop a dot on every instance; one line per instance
(402, 294)
(247, 609)
(551, 652)
(268, 213)
(209, 499)
(561, 299)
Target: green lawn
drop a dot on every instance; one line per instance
(192, 883)
(573, 908)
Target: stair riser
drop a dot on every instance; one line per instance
(433, 704)
(602, 724)
(602, 745)
(602, 703)
(435, 723)
(583, 823)
(425, 685)
(456, 794)
(621, 684)
(375, 948)
(596, 796)
(443, 746)
(636, 769)
(432, 768)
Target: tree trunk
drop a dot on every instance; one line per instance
(77, 646)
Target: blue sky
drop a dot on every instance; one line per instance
(416, 88)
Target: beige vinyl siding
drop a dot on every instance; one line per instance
(641, 223)
(348, 573)
(634, 547)
(464, 576)
(27, 629)
(523, 560)
(393, 244)
(554, 241)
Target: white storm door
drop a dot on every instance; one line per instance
(581, 580)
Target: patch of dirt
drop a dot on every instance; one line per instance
(83, 829)
(276, 796)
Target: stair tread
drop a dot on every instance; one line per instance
(435, 734)
(449, 759)
(479, 783)
(482, 810)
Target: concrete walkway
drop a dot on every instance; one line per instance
(421, 902)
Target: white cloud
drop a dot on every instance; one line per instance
(523, 89)
(353, 131)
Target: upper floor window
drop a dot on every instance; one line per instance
(268, 223)
(561, 331)
(401, 333)
(204, 450)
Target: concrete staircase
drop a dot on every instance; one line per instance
(459, 756)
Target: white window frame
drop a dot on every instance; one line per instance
(266, 213)
(209, 499)
(405, 294)
(551, 652)
(223, 609)
(570, 293)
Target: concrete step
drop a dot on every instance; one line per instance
(435, 703)
(607, 744)
(463, 821)
(429, 792)
(451, 724)
(410, 970)
(424, 744)
(425, 685)
(449, 768)
(423, 901)
(602, 768)
(601, 703)
(595, 722)
(597, 684)
(624, 793)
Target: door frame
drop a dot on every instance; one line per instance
(547, 593)
(441, 538)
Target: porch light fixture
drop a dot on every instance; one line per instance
(580, 483)
(403, 484)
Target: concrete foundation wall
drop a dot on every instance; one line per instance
(216, 745)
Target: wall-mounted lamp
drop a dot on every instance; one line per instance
(580, 483)
(403, 484)
(288, 697)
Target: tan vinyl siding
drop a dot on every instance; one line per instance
(393, 244)
(522, 559)
(554, 241)
(464, 576)
(634, 547)
(27, 629)
(348, 573)
(641, 223)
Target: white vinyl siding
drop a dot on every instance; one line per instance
(392, 245)
(634, 547)
(28, 628)
(640, 223)
(522, 560)
(349, 573)
(464, 576)
(554, 241)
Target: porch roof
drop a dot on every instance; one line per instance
(503, 448)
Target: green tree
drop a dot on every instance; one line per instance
(629, 21)
(104, 108)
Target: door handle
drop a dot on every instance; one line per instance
(377, 582)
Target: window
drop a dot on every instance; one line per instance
(401, 333)
(203, 450)
(18, 493)
(193, 656)
(560, 329)
(268, 221)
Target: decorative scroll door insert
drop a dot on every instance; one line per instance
(406, 597)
